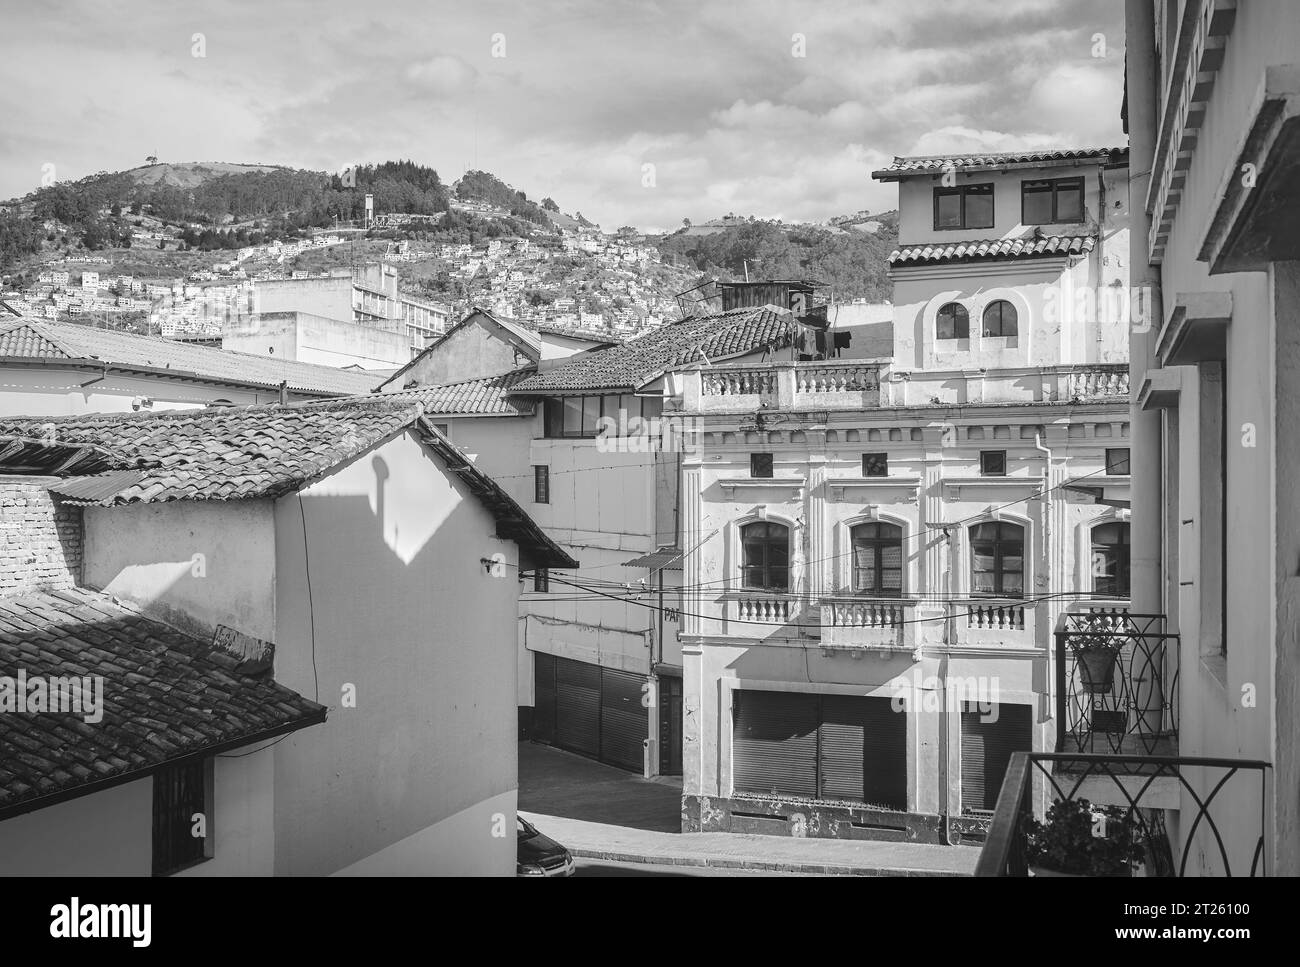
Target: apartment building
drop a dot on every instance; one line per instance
(347, 318)
(1213, 114)
(883, 548)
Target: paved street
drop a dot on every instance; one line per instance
(618, 824)
(610, 868)
(555, 783)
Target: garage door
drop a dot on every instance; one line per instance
(624, 720)
(543, 697)
(828, 747)
(863, 751)
(591, 710)
(577, 706)
(774, 743)
(986, 748)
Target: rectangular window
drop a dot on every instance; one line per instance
(541, 484)
(993, 463)
(575, 417)
(760, 464)
(1051, 201)
(181, 794)
(542, 580)
(875, 465)
(969, 206)
(1117, 460)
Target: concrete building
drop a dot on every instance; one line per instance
(61, 369)
(245, 558)
(1213, 114)
(883, 548)
(349, 317)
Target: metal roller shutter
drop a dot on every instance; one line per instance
(624, 720)
(774, 747)
(986, 749)
(863, 751)
(577, 706)
(543, 697)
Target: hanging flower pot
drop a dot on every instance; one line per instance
(1097, 666)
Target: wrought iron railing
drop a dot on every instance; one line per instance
(1116, 684)
(1211, 829)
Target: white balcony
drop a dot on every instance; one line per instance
(861, 623)
(992, 623)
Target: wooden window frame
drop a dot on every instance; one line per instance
(961, 192)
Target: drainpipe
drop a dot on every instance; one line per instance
(1047, 556)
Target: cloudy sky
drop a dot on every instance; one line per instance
(563, 98)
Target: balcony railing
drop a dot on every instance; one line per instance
(863, 622)
(1098, 382)
(838, 384)
(1116, 684)
(751, 610)
(985, 621)
(831, 384)
(1214, 829)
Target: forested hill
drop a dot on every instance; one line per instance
(854, 264)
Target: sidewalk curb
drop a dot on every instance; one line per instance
(722, 863)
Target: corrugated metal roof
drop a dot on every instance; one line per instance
(992, 248)
(903, 167)
(96, 488)
(666, 558)
(45, 340)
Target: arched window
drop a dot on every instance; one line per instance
(765, 553)
(1110, 560)
(997, 558)
(952, 322)
(878, 560)
(1000, 318)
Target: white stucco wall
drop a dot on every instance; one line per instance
(400, 607)
(47, 391)
(109, 833)
(195, 564)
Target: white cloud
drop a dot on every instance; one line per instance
(441, 75)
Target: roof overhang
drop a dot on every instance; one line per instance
(85, 789)
(1258, 203)
(1197, 329)
(1109, 160)
(90, 364)
(1160, 389)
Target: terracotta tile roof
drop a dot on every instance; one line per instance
(903, 167)
(165, 695)
(227, 453)
(630, 366)
(262, 452)
(573, 332)
(37, 339)
(488, 396)
(992, 248)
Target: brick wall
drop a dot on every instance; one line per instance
(40, 543)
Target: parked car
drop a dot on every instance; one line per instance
(539, 855)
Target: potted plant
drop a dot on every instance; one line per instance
(1096, 649)
(1080, 839)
